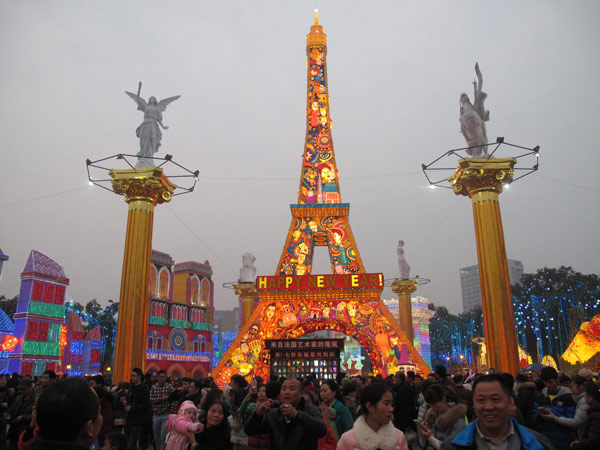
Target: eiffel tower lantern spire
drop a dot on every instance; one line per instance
(319, 217)
(294, 302)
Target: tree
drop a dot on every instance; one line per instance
(550, 305)
(107, 320)
(93, 308)
(9, 305)
(441, 329)
(93, 315)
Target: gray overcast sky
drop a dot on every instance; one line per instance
(396, 70)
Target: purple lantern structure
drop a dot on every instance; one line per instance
(40, 313)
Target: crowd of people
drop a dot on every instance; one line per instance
(493, 411)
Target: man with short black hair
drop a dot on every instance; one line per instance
(137, 407)
(161, 407)
(580, 418)
(195, 392)
(180, 392)
(292, 425)
(68, 416)
(494, 428)
(48, 378)
(357, 380)
(558, 401)
(97, 381)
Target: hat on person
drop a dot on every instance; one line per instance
(185, 406)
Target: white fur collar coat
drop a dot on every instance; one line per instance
(362, 437)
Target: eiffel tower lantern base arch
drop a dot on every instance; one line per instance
(294, 302)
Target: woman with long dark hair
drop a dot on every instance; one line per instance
(444, 417)
(338, 414)
(373, 428)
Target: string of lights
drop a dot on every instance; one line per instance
(203, 178)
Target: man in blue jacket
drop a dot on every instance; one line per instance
(559, 401)
(494, 427)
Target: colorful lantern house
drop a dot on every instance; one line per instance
(82, 352)
(92, 351)
(180, 318)
(6, 328)
(72, 359)
(7, 340)
(40, 313)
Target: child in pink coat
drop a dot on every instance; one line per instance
(178, 424)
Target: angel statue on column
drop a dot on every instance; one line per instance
(149, 130)
(473, 118)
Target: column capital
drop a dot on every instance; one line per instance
(482, 174)
(149, 185)
(404, 286)
(245, 289)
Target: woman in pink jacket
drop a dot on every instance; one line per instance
(373, 428)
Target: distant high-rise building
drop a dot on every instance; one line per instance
(471, 288)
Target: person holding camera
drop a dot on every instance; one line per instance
(292, 424)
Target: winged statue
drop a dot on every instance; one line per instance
(473, 117)
(149, 130)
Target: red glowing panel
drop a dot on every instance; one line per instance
(60, 295)
(26, 368)
(38, 291)
(43, 332)
(95, 356)
(32, 330)
(49, 293)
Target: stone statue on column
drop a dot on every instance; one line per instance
(473, 117)
(402, 264)
(149, 130)
(248, 271)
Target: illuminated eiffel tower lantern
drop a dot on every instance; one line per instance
(294, 302)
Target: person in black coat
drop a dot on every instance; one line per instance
(137, 407)
(591, 433)
(6, 399)
(525, 399)
(20, 411)
(292, 425)
(214, 433)
(68, 416)
(404, 405)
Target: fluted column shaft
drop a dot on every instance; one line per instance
(404, 289)
(143, 189)
(482, 180)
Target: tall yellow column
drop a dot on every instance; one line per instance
(143, 189)
(482, 181)
(404, 289)
(247, 293)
